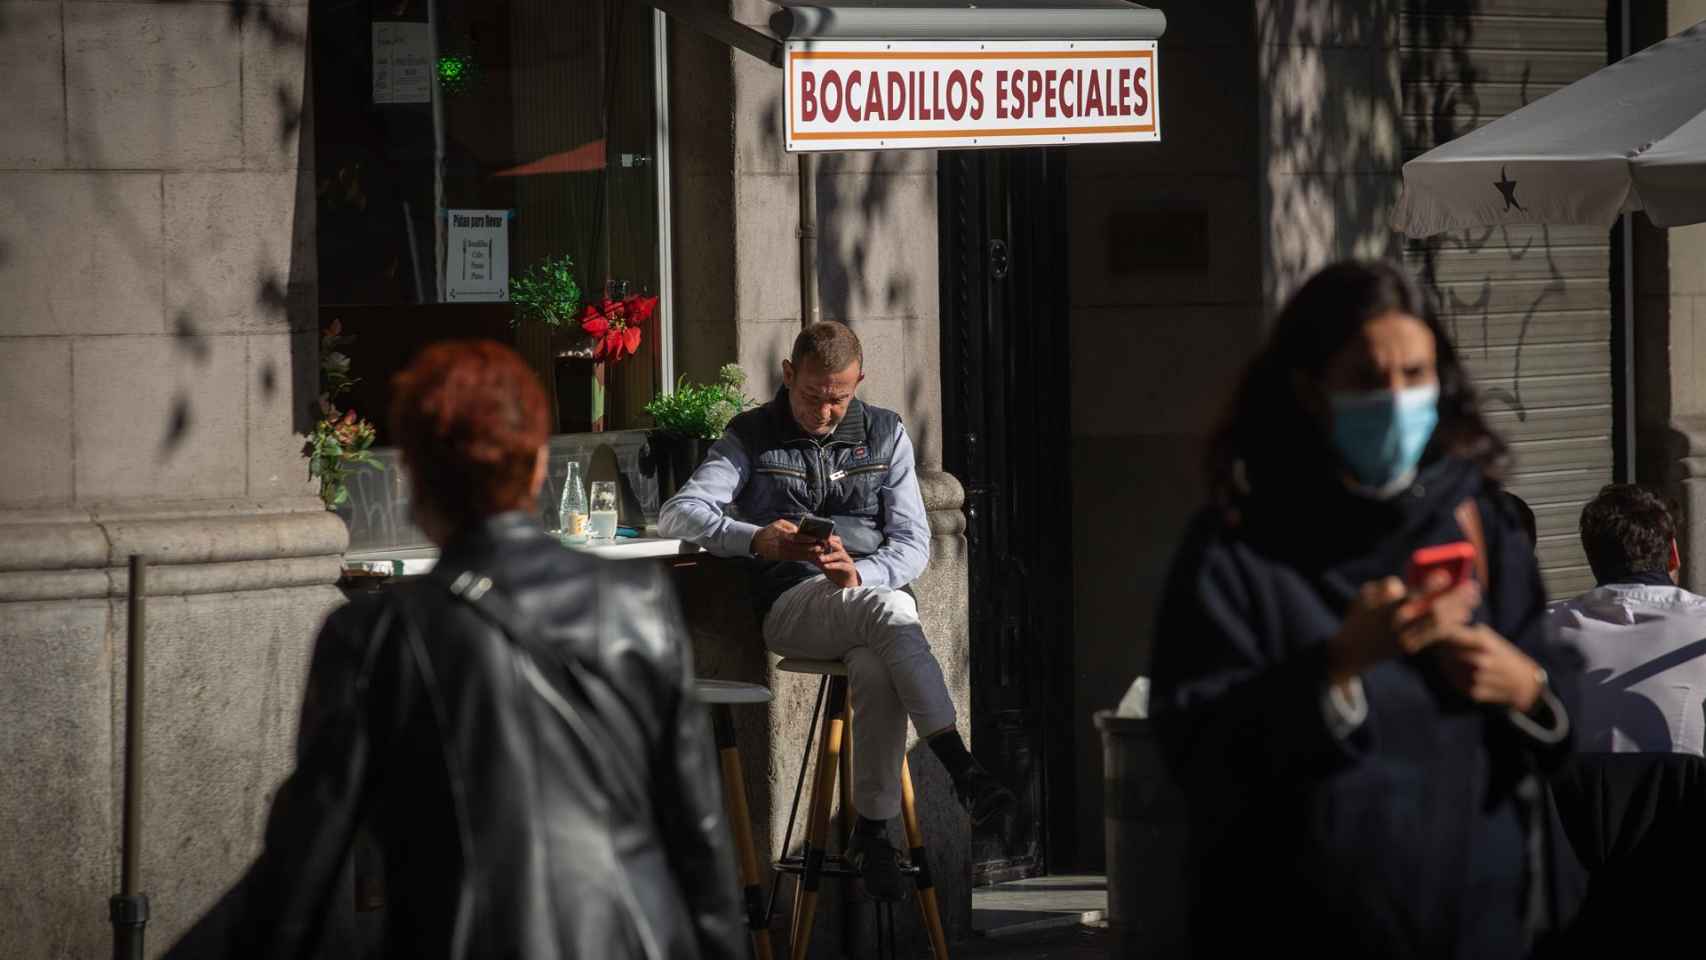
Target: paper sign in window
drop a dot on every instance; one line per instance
(477, 256)
(402, 62)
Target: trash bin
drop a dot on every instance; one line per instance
(1145, 821)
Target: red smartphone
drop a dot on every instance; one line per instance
(1457, 560)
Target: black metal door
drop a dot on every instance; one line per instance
(1006, 437)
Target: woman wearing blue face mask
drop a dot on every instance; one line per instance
(1358, 754)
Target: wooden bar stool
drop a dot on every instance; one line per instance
(815, 863)
(721, 695)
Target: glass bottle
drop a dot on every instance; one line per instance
(572, 509)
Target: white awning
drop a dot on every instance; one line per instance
(984, 20)
(1631, 136)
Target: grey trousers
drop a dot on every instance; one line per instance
(890, 670)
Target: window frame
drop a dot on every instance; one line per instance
(665, 227)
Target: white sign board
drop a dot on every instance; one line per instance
(908, 95)
(402, 62)
(476, 265)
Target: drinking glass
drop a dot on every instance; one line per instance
(601, 519)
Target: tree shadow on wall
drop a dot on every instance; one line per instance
(864, 275)
(1351, 91)
(1330, 114)
(203, 320)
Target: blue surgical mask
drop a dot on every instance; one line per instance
(1381, 434)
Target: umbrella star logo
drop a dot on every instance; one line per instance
(1507, 186)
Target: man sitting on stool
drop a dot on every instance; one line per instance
(817, 450)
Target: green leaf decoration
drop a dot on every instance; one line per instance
(547, 293)
(703, 410)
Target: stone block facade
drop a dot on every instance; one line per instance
(160, 356)
(151, 85)
(1165, 288)
(234, 596)
(158, 365)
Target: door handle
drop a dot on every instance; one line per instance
(999, 261)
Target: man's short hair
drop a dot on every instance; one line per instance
(470, 417)
(1627, 529)
(830, 345)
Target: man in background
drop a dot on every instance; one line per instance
(1631, 800)
(1643, 637)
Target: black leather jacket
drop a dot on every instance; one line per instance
(506, 831)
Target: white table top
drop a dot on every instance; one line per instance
(420, 560)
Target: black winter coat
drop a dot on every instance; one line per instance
(1405, 840)
(1638, 823)
(505, 830)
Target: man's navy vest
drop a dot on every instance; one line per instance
(840, 476)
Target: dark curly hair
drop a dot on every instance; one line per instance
(1269, 439)
(470, 417)
(1627, 529)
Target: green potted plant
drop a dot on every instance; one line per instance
(547, 293)
(690, 419)
(338, 445)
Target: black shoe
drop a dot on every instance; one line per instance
(983, 796)
(879, 868)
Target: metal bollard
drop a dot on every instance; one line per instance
(128, 910)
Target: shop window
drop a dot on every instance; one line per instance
(459, 143)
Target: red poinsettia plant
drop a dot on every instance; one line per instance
(614, 324)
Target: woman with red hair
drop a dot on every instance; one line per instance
(514, 730)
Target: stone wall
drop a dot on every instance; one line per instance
(1164, 263)
(157, 362)
(1330, 139)
(876, 253)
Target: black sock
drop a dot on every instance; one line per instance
(866, 827)
(951, 750)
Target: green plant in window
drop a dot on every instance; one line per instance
(547, 293)
(701, 411)
(338, 445)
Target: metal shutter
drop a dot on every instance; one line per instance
(1529, 307)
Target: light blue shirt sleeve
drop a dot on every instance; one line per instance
(906, 529)
(698, 513)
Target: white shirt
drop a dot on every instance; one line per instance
(1645, 686)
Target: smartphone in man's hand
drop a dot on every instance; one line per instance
(817, 528)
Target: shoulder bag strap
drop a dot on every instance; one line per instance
(476, 590)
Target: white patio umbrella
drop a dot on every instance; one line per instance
(1631, 136)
